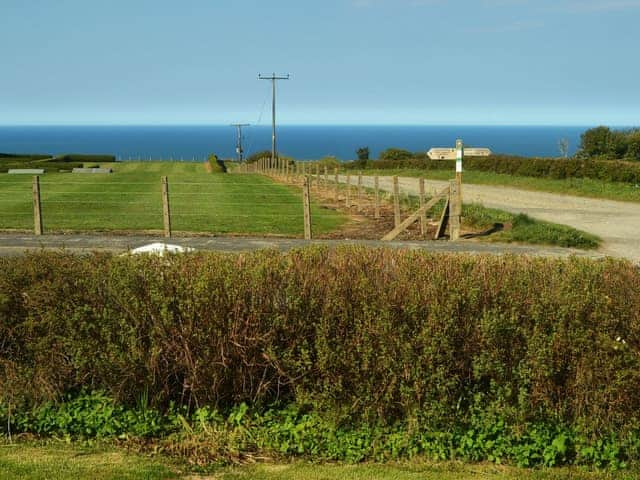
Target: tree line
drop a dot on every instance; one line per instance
(603, 142)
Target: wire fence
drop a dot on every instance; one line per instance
(284, 198)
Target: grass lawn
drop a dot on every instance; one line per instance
(448, 471)
(582, 187)
(64, 462)
(130, 199)
(18, 462)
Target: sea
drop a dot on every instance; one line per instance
(194, 143)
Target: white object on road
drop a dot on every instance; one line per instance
(160, 249)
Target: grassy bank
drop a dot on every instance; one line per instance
(506, 227)
(582, 187)
(130, 199)
(45, 462)
(494, 225)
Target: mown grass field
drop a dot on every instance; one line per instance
(583, 187)
(130, 199)
(63, 462)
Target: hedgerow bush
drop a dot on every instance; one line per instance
(46, 162)
(78, 157)
(453, 356)
(606, 170)
(48, 166)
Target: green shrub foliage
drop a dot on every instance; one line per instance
(363, 153)
(607, 170)
(217, 165)
(604, 142)
(253, 158)
(485, 348)
(48, 163)
(76, 157)
(395, 154)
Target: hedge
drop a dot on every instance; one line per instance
(378, 335)
(607, 170)
(49, 166)
(75, 157)
(17, 156)
(48, 163)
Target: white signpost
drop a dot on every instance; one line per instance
(459, 156)
(450, 153)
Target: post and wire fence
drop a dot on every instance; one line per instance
(364, 195)
(229, 204)
(295, 198)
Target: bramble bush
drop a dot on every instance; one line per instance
(378, 353)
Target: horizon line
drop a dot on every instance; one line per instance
(576, 125)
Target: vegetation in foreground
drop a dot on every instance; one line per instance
(64, 462)
(350, 354)
(130, 200)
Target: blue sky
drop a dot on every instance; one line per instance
(463, 62)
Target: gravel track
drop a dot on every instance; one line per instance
(17, 244)
(616, 223)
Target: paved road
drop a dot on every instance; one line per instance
(16, 244)
(617, 223)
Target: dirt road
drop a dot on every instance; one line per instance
(617, 223)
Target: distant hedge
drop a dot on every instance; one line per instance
(607, 170)
(379, 335)
(48, 163)
(74, 157)
(14, 156)
(48, 166)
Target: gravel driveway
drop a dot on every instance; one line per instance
(617, 223)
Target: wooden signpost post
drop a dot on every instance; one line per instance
(459, 157)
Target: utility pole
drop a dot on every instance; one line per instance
(239, 150)
(273, 77)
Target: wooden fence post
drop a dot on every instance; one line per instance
(423, 218)
(337, 179)
(359, 189)
(396, 202)
(166, 211)
(37, 207)
(317, 175)
(307, 209)
(347, 200)
(455, 212)
(376, 197)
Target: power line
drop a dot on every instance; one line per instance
(239, 150)
(274, 78)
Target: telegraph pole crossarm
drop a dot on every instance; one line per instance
(273, 78)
